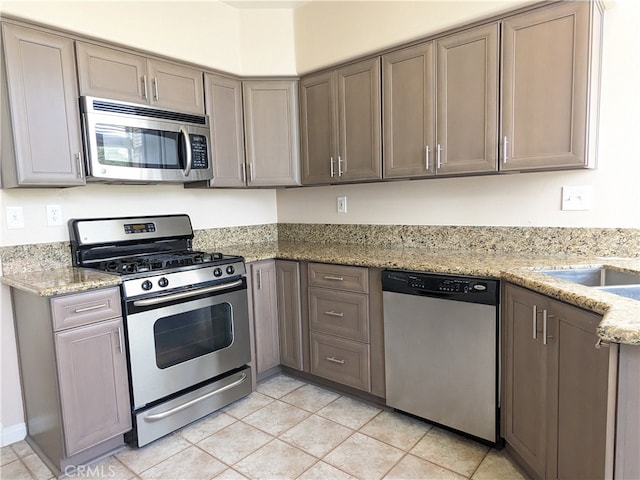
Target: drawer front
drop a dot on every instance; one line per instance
(84, 308)
(341, 277)
(340, 360)
(344, 314)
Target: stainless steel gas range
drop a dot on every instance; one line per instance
(186, 317)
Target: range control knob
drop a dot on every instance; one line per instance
(147, 285)
(230, 270)
(163, 282)
(217, 272)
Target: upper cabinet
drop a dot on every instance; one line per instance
(40, 126)
(550, 76)
(340, 124)
(441, 106)
(119, 75)
(224, 106)
(271, 132)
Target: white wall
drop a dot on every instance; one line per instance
(522, 199)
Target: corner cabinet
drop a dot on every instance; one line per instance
(559, 388)
(340, 124)
(74, 374)
(272, 141)
(550, 121)
(39, 120)
(440, 112)
(121, 75)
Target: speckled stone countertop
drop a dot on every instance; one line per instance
(621, 316)
(61, 281)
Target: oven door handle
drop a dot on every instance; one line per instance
(167, 413)
(146, 302)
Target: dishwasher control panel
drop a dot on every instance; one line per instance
(454, 287)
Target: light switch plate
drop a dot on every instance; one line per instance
(576, 197)
(15, 218)
(342, 204)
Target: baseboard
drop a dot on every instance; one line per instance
(13, 434)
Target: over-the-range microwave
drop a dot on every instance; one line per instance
(132, 143)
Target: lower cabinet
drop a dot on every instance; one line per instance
(74, 375)
(559, 388)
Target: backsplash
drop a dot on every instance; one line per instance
(604, 242)
(619, 242)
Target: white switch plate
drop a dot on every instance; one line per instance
(54, 215)
(342, 204)
(576, 197)
(15, 218)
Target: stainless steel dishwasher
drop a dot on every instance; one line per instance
(441, 349)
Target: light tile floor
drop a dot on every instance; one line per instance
(289, 429)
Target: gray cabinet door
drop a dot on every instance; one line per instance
(550, 73)
(525, 373)
(264, 313)
(109, 73)
(271, 132)
(176, 87)
(43, 104)
(409, 112)
(467, 101)
(359, 121)
(318, 128)
(224, 107)
(94, 389)
(579, 377)
(289, 313)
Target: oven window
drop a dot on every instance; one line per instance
(191, 334)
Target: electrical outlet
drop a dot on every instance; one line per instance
(15, 217)
(54, 215)
(342, 204)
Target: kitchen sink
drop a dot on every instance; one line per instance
(595, 277)
(625, 284)
(628, 291)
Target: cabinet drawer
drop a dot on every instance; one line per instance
(341, 277)
(87, 307)
(340, 360)
(344, 314)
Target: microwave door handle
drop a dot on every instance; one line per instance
(187, 143)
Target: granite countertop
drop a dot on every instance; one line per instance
(61, 281)
(621, 316)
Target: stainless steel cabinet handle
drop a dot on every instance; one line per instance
(505, 155)
(259, 279)
(92, 307)
(335, 360)
(331, 277)
(145, 92)
(545, 317)
(78, 158)
(179, 408)
(535, 322)
(340, 171)
(438, 152)
(334, 314)
(331, 167)
(426, 154)
(155, 89)
(251, 169)
(120, 344)
(244, 173)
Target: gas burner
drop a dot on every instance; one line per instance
(163, 261)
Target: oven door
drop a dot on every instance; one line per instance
(181, 339)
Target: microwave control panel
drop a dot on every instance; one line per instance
(199, 157)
